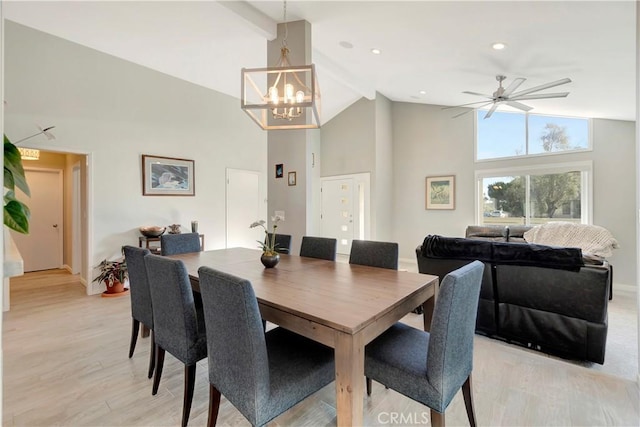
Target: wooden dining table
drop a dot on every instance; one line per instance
(343, 306)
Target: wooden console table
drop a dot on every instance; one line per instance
(156, 248)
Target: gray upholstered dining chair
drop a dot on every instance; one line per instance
(374, 254)
(261, 374)
(283, 242)
(178, 327)
(141, 311)
(172, 244)
(319, 247)
(430, 368)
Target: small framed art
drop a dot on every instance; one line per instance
(167, 176)
(440, 192)
(292, 178)
(279, 170)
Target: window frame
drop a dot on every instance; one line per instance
(526, 142)
(586, 183)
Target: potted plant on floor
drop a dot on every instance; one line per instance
(113, 274)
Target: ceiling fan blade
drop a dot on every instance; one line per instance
(470, 110)
(490, 112)
(464, 105)
(513, 86)
(478, 94)
(539, 96)
(519, 106)
(541, 87)
(463, 113)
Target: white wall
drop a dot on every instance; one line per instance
(348, 140)
(359, 140)
(383, 176)
(427, 141)
(117, 111)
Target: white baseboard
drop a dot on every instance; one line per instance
(622, 287)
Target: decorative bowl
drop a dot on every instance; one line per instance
(152, 231)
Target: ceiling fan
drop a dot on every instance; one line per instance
(508, 96)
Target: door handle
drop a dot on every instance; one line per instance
(55, 225)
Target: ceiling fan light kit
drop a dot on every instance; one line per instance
(509, 96)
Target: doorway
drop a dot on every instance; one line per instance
(345, 209)
(244, 206)
(42, 248)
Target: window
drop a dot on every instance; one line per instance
(508, 134)
(530, 196)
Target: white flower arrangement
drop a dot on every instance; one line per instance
(268, 245)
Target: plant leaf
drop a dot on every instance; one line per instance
(13, 162)
(16, 216)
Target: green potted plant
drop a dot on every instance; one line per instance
(113, 274)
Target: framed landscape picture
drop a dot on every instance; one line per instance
(167, 176)
(440, 192)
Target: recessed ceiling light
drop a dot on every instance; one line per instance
(498, 46)
(376, 51)
(346, 45)
(423, 92)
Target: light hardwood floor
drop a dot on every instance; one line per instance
(65, 363)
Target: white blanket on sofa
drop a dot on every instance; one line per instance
(592, 239)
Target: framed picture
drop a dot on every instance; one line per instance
(279, 170)
(167, 176)
(440, 192)
(292, 178)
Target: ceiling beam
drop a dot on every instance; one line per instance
(259, 22)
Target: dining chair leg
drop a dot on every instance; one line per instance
(158, 373)
(135, 327)
(214, 405)
(152, 356)
(145, 331)
(189, 383)
(468, 401)
(368, 386)
(437, 419)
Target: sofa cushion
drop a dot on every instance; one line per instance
(496, 233)
(516, 233)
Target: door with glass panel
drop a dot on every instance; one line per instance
(339, 197)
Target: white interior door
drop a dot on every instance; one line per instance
(41, 249)
(243, 208)
(339, 197)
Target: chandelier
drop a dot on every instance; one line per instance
(283, 96)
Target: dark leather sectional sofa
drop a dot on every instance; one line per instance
(547, 298)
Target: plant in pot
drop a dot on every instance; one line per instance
(270, 257)
(113, 274)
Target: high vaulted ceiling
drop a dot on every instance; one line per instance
(440, 48)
